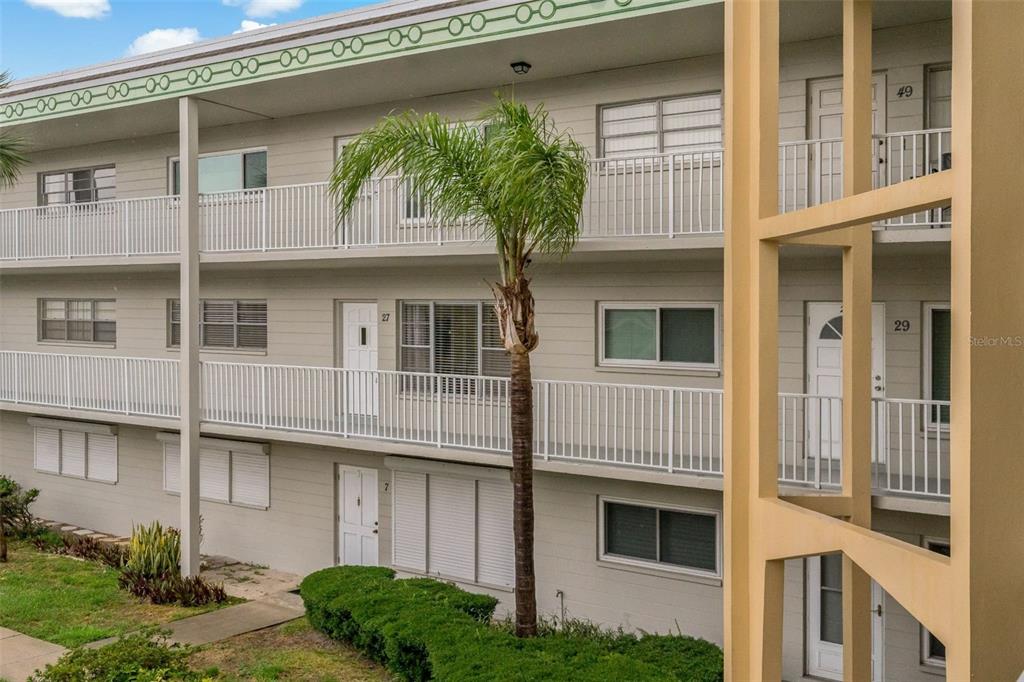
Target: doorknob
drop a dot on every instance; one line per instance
(375, 532)
(878, 377)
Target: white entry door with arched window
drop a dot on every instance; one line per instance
(825, 373)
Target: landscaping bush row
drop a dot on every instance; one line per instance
(422, 629)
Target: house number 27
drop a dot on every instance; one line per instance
(384, 317)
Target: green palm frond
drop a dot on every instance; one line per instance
(522, 183)
(12, 148)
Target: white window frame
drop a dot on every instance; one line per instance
(227, 152)
(659, 131)
(603, 555)
(62, 427)
(475, 474)
(926, 366)
(42, 194)
(926, 659)
(432, 303)
(657, 307)
(221, 445)
(41, 320)
(235, 348)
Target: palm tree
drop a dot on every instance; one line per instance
(12, 148)
(522, 182)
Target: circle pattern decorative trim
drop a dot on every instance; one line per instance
(75, 99)
(477, 22)
(415, 34)
(524, 13)
(455, 26)
(285, 59)
(356, 45)
(302, 55)
(253, 65)
(547, 9)
(236, 68)
(192, 77)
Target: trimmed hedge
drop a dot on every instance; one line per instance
(423, 629)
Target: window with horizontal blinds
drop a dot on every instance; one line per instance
(691, 123)
(445, 337)
(409, 495)
(77, 320)
(47, 450)
(229, 324)
(76, 453)
(673, 538)
(228, 476)
(454, 527)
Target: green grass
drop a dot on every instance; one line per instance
(293, 651)
(70, 602)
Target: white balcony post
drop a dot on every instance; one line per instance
(188, 247)
(672, 196)
(67, 232)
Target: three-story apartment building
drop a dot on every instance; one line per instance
(354, 388)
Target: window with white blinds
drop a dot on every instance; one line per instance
(229, 324)
(225, 475)
(76, 453)
(77, 320)
(443, 337)
(454, 527)
(691, 123)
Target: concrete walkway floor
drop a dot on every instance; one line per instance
(21, 655)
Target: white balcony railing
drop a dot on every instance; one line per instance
(652, 427)
(661, 195)
(811, 171)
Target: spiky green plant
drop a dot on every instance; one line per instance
(523, 183)
(12, 147)
(153, 551)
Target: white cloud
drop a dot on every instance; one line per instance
(264, 8)
(161, 39)
(76, 9)
(250, 25)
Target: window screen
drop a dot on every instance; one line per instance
(230, 324)
(679, 124)
(226, 172)
(78, 186)
(79, 320)
(940, 362)
(452, 338)
(663, 536)
(657, 334)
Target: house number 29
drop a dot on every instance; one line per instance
(901, 326)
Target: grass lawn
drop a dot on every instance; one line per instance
(70, 602)
(293, 651)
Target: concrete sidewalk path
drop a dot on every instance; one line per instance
(21, 655)
(233, 620)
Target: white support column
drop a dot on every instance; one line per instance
(188, 242)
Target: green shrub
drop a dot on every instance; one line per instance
(142, 656)
(82, 547)
(172, 588)
(154, 550)
(15, 518)
(423, 629)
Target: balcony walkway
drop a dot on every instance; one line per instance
(664, 196)
(654, 428)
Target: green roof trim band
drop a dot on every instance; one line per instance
(533, 16)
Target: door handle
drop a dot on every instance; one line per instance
(375, 532)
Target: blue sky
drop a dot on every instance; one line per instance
(42, 36)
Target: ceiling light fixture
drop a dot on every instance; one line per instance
(521, 68)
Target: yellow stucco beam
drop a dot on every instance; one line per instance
(911, 196)
(830, 505)
(912, 575)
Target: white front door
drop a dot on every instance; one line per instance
(825, 122)
(825, 620)
(359, 356)
(357, 516)
(825, 374)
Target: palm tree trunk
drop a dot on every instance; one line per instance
(521, 405)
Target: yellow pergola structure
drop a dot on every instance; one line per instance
(974, 600)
